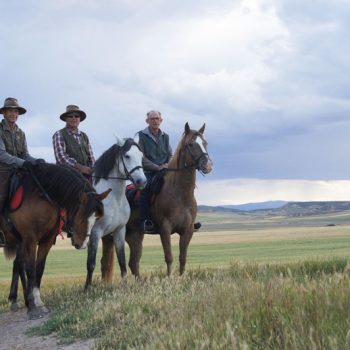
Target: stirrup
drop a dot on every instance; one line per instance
(148, 226)
(197, 226)
(2, 239)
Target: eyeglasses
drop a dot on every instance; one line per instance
(73, 116)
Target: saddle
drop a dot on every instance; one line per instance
(156, 184)
(15, 192)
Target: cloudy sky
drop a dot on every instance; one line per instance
(270, 78)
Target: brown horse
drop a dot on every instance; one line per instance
(52, 195)
(174, 208)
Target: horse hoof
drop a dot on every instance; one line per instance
(37, 313)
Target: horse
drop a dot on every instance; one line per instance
(53, 195)
(120, 163)
(174, 209)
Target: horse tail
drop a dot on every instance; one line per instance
(10, 252)
(107, 260)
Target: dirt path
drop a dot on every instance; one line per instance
(13, 326)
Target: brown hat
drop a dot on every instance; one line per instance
(11, 102)
(73, 109)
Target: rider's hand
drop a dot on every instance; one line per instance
(28, 164)
(84, 169)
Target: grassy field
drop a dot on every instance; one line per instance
(271, 287)
(213, 249)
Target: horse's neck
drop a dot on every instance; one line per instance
(183, 179)
(116, 182)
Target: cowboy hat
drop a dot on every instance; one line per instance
(73, 109)
(11, 102)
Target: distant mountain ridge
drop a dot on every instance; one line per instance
(287, 209)
(255, 206)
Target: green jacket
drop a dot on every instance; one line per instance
(13, 147)
(156, 149)
(80, 152)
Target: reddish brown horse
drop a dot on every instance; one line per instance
(175, 207)
(52, 194)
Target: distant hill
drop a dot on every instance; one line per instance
(256, 206)
(287, 209)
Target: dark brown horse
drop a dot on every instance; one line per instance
(174, 209)
(52, 194)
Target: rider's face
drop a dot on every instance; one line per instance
(73, 121)
(11, 115)
(154, 120)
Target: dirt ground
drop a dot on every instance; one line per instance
(13, 326)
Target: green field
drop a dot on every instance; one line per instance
(214, 249)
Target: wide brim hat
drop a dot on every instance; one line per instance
(11, 102)
(73, 109)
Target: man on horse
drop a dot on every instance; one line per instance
(156, 149)
(71, 145)
(13, 149)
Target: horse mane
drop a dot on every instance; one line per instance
(107, 161)
(63, 184)
(175, 159)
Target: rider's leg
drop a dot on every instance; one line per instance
(145, 215)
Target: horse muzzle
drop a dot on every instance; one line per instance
(205, 165)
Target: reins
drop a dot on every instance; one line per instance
(41, 188)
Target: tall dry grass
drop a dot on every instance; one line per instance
(302, 305)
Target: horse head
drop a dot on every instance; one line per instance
(130, 164)
(89, 210)
(196, 149)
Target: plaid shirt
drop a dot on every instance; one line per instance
(61, 155)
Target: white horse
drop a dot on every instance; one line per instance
(120, 163)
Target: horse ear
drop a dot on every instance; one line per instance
(119, 141)
(104, 194)
(201, 130)
(187, 128)
(137, 138)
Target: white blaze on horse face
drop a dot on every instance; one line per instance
(91, 223)
(37, 300)
(202, 144)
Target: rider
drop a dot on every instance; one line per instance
(13, 149)
(156, 149)
(72, 146)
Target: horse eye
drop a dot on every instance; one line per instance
(127, 156)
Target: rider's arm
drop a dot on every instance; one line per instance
(7, 158)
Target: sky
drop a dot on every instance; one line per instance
(269, 78)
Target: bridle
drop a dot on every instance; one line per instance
(127, 173)
(195, 159)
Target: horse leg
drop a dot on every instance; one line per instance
(32, 292)
(134, 240)
(183, 245)
(168, 255)
(91, 259)
(119, 243)
(14, 283)
(43, 250)
(107, 260)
